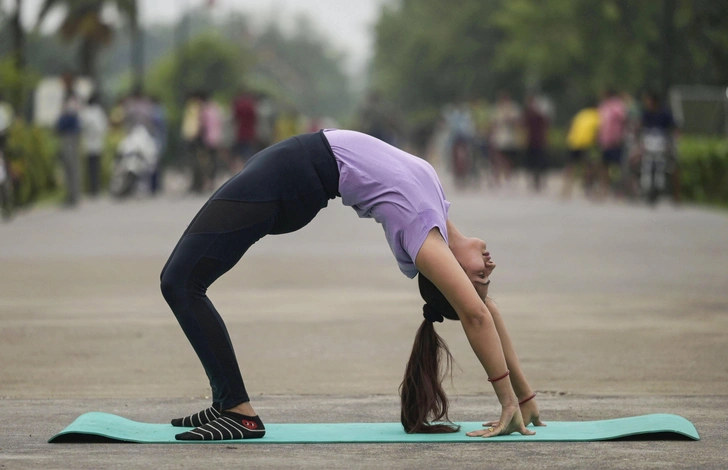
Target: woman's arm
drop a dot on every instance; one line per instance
(437, 263)
(529, 409)
(518, 378)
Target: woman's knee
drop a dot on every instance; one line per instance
(172, 285)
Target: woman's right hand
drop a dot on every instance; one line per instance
(510, 421)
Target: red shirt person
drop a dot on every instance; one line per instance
(244, 112)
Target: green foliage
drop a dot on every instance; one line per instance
(704, 169)
(582, 45)
(83, 20)
(429, 52)
(206, 63)
(32, 154)
(15, 85)
(300, 70)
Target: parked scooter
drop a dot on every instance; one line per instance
(653, 168)
(136, 158)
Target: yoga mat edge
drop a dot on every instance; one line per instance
(96, 425)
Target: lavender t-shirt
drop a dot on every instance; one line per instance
(400, 191)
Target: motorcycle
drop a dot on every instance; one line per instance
(136, 158)
(654, 164)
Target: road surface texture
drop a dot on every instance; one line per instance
(615, 310)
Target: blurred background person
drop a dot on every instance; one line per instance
(94, 128)
(191, 134)
(581, 139)
(536, 124)
(159, 132)
(612, 121)
(6, 173)
(507, 118)
(212, 137)
(287, 123)
(629, 172)
(462, 135)
(245, 117)
(480, 112)
(657, 118)
(7, 115)
(116, 115)
(68, 128)
(265, 117)
(138, 110)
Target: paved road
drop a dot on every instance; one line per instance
(615, 310)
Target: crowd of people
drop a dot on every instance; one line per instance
(476, 135)
(224, 136)
(617, 129)
(217, 138)
(85, 128)
(478, 140)
(603, 140)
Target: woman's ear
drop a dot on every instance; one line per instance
(436, 262)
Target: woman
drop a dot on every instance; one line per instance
(280, 190)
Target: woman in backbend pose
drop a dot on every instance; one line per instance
(280, 190)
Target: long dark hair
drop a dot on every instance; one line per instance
(424, 402)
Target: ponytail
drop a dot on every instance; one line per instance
(423, 399)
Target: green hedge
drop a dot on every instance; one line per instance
(32, 154)
(704, 169)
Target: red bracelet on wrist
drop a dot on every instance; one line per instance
(527, 399)
(499, 378)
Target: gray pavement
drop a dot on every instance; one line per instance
(615, 310)
(26, 447)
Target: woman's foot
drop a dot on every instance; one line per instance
(243, 409)
(198, 419)
(229, 426)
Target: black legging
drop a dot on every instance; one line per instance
(280, 190)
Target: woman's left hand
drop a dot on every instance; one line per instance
(510, 422)
(529, 411)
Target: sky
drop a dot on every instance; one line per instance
(347, 23)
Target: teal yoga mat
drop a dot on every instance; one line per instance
(104, 427)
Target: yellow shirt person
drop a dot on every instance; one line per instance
(583, 131)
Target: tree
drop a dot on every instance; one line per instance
(581, 46)
(301, 70)
(18, 36)
(83, 20)
(429, 52)
(206, 63)
(17, 51)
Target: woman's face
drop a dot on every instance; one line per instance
(475, 260)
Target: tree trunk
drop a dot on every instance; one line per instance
(137, 56)
(18, 38)
(87, 57)
(668, 44)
